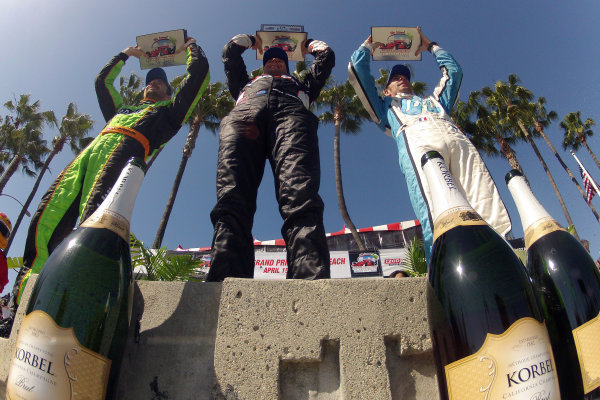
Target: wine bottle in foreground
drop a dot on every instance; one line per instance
(567, 282)
(488, 333)
(72, 338)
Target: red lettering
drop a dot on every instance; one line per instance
(392, 261)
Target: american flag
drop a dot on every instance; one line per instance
(587, 185)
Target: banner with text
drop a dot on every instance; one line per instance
(273, 265)
(391, 260)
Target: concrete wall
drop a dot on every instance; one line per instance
(292, 340)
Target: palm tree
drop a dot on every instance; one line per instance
(347, 114)
(23, 135)
(214, 104)
(131, 89)
(520, 115)
(576, 133)
(542, 119)
(493, 118)
(73, 129)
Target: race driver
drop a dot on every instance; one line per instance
(271, 120)
(131, 131)
(422, 124)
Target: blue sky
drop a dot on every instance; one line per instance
(53, 51)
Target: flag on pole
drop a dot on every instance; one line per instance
(591, 187)
(587, 185)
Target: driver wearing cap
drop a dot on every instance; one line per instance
(131, 131)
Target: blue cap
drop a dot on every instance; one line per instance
(276, 52)
(398, 69)
(158, 73)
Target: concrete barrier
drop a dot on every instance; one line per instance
(291, 340)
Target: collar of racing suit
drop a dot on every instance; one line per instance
(299, 93)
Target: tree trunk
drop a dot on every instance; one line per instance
(339, 188)
(188, 148)
(36, 185)
(560, 160)
(509, 154)
(539, 156)
(591, 152)
(10, 170)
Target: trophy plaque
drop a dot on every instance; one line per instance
(399, 43)
(162, 49)
(287, 37)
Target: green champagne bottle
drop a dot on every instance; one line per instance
(488, 334)
(567, 282)
(72, 338)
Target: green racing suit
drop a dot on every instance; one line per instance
(131, 131)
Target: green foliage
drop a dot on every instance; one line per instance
(160, 266)
(14, 262)
(415, 263)
(214, 104)
(73, 128)
(342, 104)
(131, 89)
(575, 130)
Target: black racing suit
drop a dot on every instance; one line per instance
(131, 131)
(270, 121)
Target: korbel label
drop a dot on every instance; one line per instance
(109, 220)
(516, 365)
(48, 363)
(588, 350)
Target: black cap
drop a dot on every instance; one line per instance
(511, 174)
(158, 73)
(429, 156)
(276, 52)
(398, 69)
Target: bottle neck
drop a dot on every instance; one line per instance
(536, 221)
(449, 208)
(445, 195)
(115, 211)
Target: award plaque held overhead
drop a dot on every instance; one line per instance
(399, 43)
(162, 49)
(287, 37)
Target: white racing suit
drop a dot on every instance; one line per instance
(423, 124)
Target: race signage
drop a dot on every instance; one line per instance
(273, 265)
(270, 265)
(391, 260)
(162, 49)
(340, 264)
(399, 43)
(365, 263)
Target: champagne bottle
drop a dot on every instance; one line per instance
(488, 333)
(72, 338)
(567, 282)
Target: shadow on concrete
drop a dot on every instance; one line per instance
(406, 373)
(170, 349)
(311, 380)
